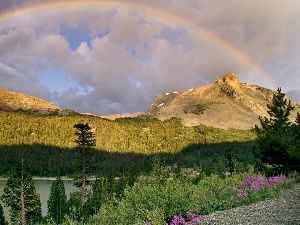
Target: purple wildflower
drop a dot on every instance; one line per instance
(279, 179)
(241, 193)
(256, 183)
(195, 219)
(190, 215)
(177, 220)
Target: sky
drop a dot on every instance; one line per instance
(114, 56)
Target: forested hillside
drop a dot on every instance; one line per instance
(121, 145)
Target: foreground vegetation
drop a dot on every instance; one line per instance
(171, 195)
(175, 199)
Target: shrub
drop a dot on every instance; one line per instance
(175, 201)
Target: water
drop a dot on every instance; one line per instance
(43, 188)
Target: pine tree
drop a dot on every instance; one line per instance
(231, 162)
(57, 201)
(275, 137)
(95, 198)
(74, 210)
(21, 196)
(2, 218)
(85, 142)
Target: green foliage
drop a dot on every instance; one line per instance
(275, 148)
(131, 135)
(197, 109)
(162, 195)
(95, 197)
(74, 207)
(21, 196)
(295, 152)
(229, 91)
(56, 203)
(200, 108)
(104, 189)
(127, 144)
(155, 201)
(2, 218)
(231, 162)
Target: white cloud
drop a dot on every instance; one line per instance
(83, 49)
(163, 46)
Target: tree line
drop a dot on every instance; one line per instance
(127, 144)
(140, 135)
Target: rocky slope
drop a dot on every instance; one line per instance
(16, 101)
(280, 211)
(226, 103)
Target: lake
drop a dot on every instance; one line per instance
(43, 188)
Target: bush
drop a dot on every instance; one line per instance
(171, 200)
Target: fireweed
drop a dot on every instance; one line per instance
(256, 183)
(191, 219)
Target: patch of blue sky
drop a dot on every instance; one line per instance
(102, 33)
(135, 54)
(134, 82)
(173, 35)
(76, 35)
(54, 80)
(131, 50)
(58, 81)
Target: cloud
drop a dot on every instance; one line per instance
(53, 48)
(121, 58)
(293, 95)
(83, 49)
(14, 80)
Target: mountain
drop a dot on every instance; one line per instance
(226, 103)
(16, 101)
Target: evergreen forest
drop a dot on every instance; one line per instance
(124, 145)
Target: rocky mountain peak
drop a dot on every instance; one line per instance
(226, 103)
(229, 79)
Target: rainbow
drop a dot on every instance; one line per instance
(161, 15)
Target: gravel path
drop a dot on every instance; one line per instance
(281, 211)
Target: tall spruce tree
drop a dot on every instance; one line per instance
(275, 137)
(57, 201)
(85, 140)
(21, 196)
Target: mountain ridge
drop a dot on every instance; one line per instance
(226, 103)
(10, 100)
